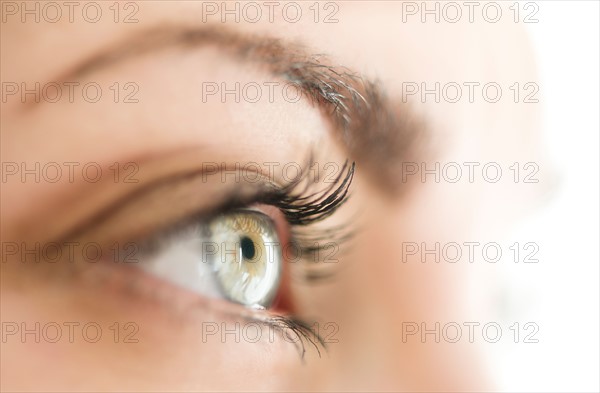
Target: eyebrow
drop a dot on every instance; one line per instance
(379, 134)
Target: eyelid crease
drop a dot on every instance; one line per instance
(178, 196)
(181, 172)
(175, 194)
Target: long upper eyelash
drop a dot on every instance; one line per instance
(302, 209)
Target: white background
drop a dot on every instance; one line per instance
(562, 293)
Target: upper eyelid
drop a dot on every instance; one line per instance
(190, 182)
(315, 206)
(187, 186)
(104, 230)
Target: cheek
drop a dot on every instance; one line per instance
(384, 288)
(81, 334)
(412, 230)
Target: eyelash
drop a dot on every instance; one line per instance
(302, 209)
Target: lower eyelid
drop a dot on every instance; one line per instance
(158, 297)
(117, 286)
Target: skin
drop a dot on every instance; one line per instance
(171, 131)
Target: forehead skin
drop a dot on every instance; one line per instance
(369, 38)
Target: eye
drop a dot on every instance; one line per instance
(247, 261)
(236, 255)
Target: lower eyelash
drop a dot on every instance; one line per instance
(302, 331)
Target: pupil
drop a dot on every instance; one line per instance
(248, 250)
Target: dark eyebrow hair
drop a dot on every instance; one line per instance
(378, 134)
